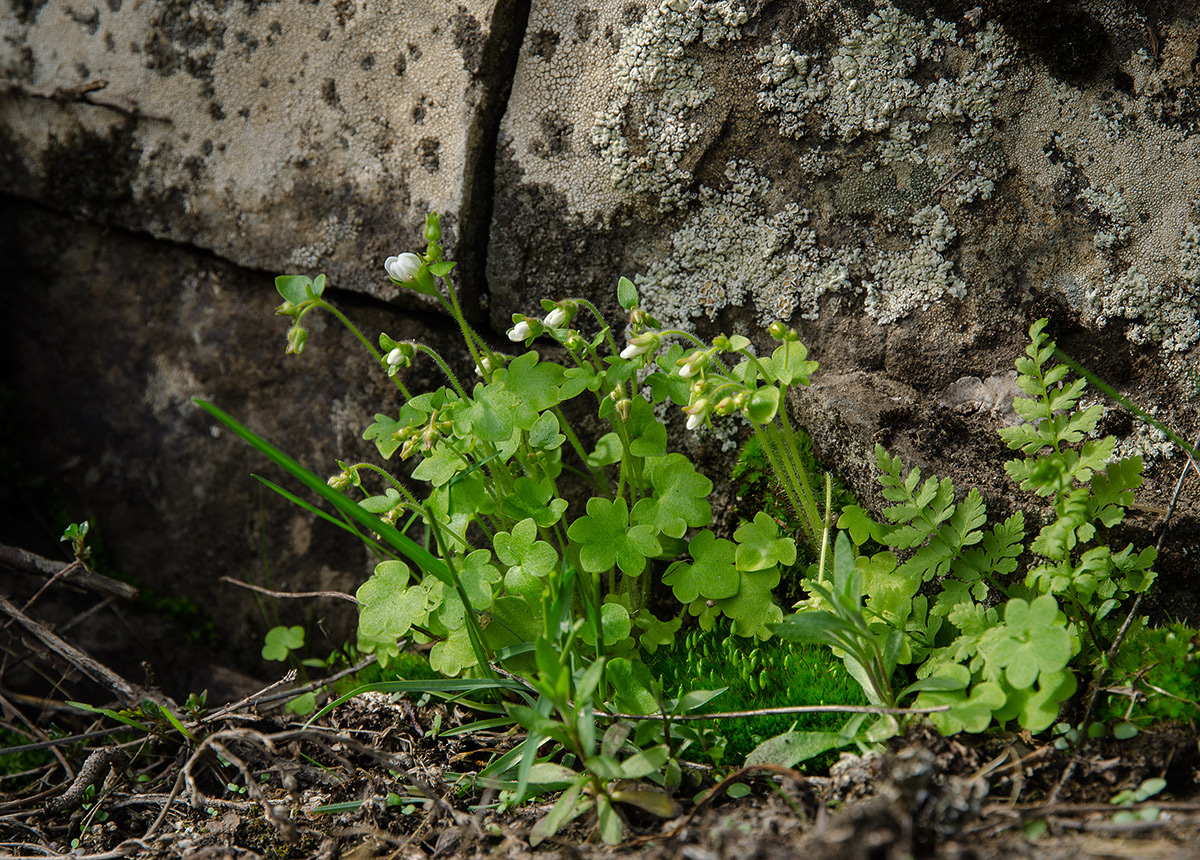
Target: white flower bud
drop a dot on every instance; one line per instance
(557, 318)
(403, 268)
(519, 332)
(395, 357)
(696, 413)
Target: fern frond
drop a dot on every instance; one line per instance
(961, 529)
(1073, 526)
(997, 553)
(1112, 490)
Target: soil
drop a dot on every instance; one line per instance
(928, 796)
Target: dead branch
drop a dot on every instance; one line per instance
(101, 674)
(340, 595)
(20, 559)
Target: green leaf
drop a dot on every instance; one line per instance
(440, 465)
(788, 365)
(649, 436)
(632, 686)
(570, 805)
(680, 497)
(119, 716)
(453, 654)
(627, 294)
(614, 621)
(606, 538)
(711, 575)
(648, 799)
(760, 546)
(860, 525)
(644, 763)
(441, 269)
(754, 608)
(791, 748)
(608, 451)
(1032, 641)
(281, 641)
(478, 576)
(764, 404)
(544, 434)
(389, 605)
(385, 433)
(520, 550)
(534, 500)
(492, 414)
(294, 288)
(656, 632)
(612, 829)
(531, 387)
(962, 528)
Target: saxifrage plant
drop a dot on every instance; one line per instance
(502, 571)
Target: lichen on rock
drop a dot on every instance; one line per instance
(655, 76)
(730, 251)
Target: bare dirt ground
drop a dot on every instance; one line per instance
(251, 786)
(386, 777)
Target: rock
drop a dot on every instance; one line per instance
(282, 137)
(109, 362)
(909, 184)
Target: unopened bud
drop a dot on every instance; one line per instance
(433, 227)
(296, 337)
(402, 268)
(519, 332)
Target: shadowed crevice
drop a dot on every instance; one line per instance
(498, 64)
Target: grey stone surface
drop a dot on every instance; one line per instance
(105, 348)
(285, 136)
(910, 184)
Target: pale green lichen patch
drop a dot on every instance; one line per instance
(1116, 220)
(731, 251)
(649, 127)
(869, 87)
(916, 277)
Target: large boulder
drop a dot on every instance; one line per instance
(910, 185)
(280, 136)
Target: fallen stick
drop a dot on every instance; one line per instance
(29, 562)
(98, 672)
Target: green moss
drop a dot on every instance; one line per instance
(1163, 666)
(770, 674)
(406, 666)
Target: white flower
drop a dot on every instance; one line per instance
(557, 318)
(519, 332)
(395, 357)
(690, 366)
(403, 268)
(696, 413)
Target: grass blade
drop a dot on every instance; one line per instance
(313, 509)
(405, 546)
